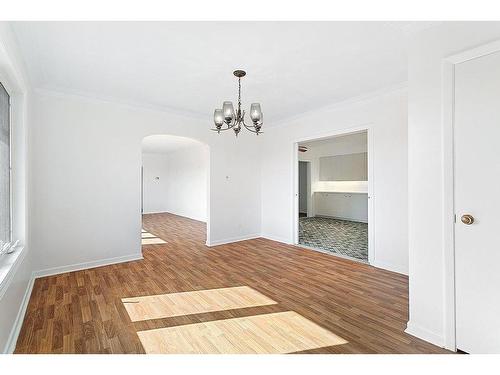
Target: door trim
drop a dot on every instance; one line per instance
(309, 211)
(371, 196)
(448, 193)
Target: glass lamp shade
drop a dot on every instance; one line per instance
(228, 110)
(218, 118)
(255, 112)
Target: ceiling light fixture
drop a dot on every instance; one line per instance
(234, 120)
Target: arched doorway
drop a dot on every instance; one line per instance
(174, 189)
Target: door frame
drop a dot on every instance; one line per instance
(371, 191)
(448, 157)
(309, 211)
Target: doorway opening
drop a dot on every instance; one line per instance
(174, 189)
(304, 188)
(332, 213)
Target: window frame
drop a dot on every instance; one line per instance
(10, 163)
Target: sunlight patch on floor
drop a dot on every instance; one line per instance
(195, 302)
(150, 239)
(277, 333)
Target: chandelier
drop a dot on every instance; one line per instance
(226, 118)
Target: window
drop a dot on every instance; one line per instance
(5, 197)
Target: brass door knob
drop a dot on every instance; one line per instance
(467, 219)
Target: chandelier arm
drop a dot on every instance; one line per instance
(251, 129)
(243, 121)
(221, 130)
(228, 126)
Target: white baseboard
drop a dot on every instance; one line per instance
(233, 239)
(14, 334)
(424, 334)
(357, 220)
(203, 219)
(276, 238)
(390, 267)
(87, 265)
(10, 346)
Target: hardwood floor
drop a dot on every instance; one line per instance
(252, 296)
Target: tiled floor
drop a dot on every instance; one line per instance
(342, 237)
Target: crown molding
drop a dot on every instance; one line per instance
(284, 121)
(355, 100)
(57, 92)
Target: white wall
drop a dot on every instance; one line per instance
(181, 187)
(86, 178)
(425, 78)
(14, 286)
(386, 114)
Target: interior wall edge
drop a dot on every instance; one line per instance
(425, 334)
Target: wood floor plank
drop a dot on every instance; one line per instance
(83, 311)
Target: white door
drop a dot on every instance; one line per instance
(477, 193)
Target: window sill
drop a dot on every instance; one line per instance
(9, 263)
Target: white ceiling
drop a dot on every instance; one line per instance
(162, 144)
(292, 67)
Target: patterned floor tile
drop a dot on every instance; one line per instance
(348, 238)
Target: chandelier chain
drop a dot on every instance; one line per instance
(239, 94)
